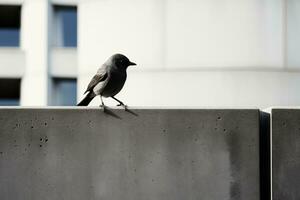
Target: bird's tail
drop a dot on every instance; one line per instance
(86, 100)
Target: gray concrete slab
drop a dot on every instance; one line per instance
(286, 154)
(158, 155)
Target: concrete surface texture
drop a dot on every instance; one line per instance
(160, 154)
(285, 154)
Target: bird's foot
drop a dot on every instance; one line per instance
(103, 106)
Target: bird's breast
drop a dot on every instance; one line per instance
(115, 84)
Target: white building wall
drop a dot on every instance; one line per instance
(135, 28)
(192, 52)
(34, 41)
(213, 33)
(12, 62)
(293, 32)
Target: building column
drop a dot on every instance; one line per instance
(34, 41)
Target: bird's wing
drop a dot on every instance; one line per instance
(99, 77)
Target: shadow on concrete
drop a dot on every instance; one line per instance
(131, 112)
(108, 111)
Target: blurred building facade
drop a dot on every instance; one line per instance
(38, 52)
(189, 52)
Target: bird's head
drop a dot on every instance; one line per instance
(121, 61)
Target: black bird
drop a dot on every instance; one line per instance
(109, 80)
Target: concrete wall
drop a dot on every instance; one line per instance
(285, 154)
(159, 154)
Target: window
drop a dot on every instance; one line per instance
(65, 26)
(10, 17)
(10, 92)
(64, 92)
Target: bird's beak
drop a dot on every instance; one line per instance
(132, 63)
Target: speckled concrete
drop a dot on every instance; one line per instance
(158, 154)
(286, 154)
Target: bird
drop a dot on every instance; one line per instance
(108, 81)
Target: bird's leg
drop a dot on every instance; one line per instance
(120, 102)
(124, 106)
(102, 103)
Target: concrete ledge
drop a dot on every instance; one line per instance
(285, 154)
(160, 154)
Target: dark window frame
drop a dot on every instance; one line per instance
(66, 35)
(10, 91)
(58, 98)
(10, 25)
